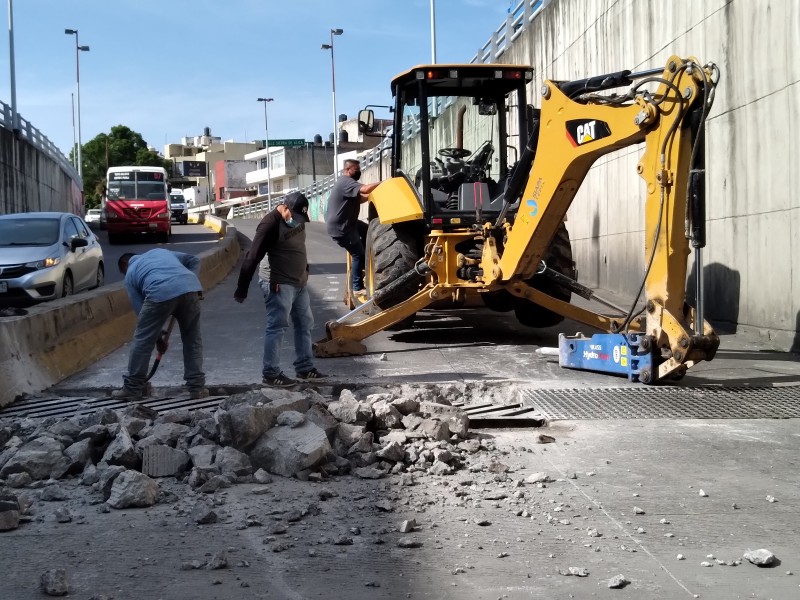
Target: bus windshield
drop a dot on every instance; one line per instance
(136, 185)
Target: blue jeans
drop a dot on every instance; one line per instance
(287, 301)
(151, 320)
(354, 242)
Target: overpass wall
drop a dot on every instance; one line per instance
(752, 262)
(32, 179)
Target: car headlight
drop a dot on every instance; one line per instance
(163, 215)
(50, 261)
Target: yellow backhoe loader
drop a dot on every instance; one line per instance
(481, 184)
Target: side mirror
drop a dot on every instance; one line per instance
(78, 242)
(366, 121)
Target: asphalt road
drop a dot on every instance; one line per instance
(192, 239)
(470, 344)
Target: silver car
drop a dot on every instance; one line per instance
(46, 255)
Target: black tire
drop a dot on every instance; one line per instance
(114, 238)
(67, 286)
(558, 258)
(100, 277)
(163, 237)
(392, 250)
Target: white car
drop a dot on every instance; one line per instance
(46, 255)
(93, 217)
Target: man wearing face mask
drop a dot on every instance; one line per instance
(343, 223)
(279, 252)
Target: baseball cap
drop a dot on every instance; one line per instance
(298, 204)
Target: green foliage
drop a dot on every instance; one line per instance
(122, 146)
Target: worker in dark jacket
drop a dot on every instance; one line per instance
(160, 284)
(278, 251)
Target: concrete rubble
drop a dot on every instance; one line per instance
(409, 448)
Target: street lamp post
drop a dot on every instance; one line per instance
(78, 50)
(266, 131)
(333, 94)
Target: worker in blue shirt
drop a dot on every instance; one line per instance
(160, 284)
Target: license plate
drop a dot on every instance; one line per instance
(152, 225)
(3, 287)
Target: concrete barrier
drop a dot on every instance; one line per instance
(60, 338)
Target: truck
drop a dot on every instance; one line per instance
(481, 180)
(177, 206)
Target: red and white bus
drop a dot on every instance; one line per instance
(137, 201)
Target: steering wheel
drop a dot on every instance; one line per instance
(456, 153)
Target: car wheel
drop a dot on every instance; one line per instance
(67, 288)
(101, 276)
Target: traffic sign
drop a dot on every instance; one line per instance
(290, 143)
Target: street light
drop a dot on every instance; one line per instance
(333, 93)
(266, 130)
(78, 50)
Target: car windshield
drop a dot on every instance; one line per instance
(28, 232)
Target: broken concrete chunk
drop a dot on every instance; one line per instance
(121, 452)
(393, 452)
(160, 460)
(202, 514)
(387, 416)
(321, 416)
(407, 526)
(538, 478)
(203, 455)
(285, 451)
(230, 461)
(434, 429)
(41, 458)
(218, 561)
(9, 512)
(55, 582)
(405, 405)
(761, 558)
(53, 493)
(456, 419)
(351, 411)
(133, 489)
(617, 582)
(371, 472)
(290, 418)
(409, 543)
(637, 510)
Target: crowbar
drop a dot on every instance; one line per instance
(164, 338)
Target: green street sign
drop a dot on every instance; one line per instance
(290, 143)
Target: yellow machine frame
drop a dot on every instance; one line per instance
(560, 166)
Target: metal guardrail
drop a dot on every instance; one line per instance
(37, 139)
(519, 17)
(516, 22)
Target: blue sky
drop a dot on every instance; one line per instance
(169, 68)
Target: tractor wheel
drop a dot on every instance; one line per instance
(558, 258)
(392, 250)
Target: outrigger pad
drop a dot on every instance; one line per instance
(338, 347)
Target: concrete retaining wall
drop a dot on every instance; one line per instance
(40, 183)
(60, 338)
(752, 263)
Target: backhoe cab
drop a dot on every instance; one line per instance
(482, 183)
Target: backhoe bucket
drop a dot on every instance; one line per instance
(331, 348)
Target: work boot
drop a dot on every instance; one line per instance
(198, 393)
(126, 395)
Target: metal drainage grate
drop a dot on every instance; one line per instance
(666, 403)
(488, 414)
(39, 408)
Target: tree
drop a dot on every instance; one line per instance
(122, 146)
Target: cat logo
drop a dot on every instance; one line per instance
(583, 131)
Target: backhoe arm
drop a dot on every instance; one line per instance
(573, 134)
